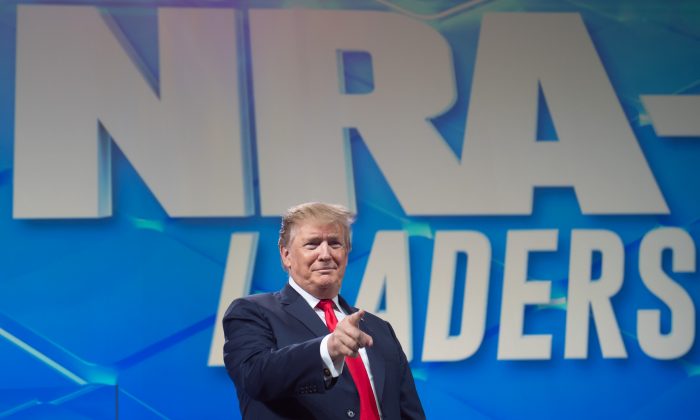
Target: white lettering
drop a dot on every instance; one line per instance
(438, 344)
(678, 341)
(302, 112)
(597, 153)
(73, 75)
(519, 291)
(237, 280)
(586, 292)
(388, 271)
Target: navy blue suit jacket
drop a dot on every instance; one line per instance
(272, 353)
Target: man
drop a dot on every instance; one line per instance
(303, 352)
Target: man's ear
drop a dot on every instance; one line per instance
(284, 256)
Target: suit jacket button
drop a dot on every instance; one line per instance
(350, 413)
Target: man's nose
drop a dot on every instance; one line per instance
(324, 251)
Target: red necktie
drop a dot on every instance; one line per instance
(368, 405)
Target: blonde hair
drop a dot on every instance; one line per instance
(322, 212)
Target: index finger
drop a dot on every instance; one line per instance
(355, 318)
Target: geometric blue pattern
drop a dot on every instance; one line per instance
(114, 317)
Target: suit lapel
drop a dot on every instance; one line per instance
(376, 361)
(296, 306)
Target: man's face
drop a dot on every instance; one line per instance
(316, 257)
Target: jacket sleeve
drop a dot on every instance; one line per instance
(256, 364)
(410, 404)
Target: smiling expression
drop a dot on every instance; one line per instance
(316, 257)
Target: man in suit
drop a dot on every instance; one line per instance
(303, 352)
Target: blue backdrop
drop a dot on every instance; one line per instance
(114, 315)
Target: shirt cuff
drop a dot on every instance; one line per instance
(336, 370)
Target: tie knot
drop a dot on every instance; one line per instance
(325, 304)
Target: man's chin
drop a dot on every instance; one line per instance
(327, 286)
(326, 280)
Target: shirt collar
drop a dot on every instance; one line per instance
(311, 300)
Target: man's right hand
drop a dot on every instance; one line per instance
(348, 339)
